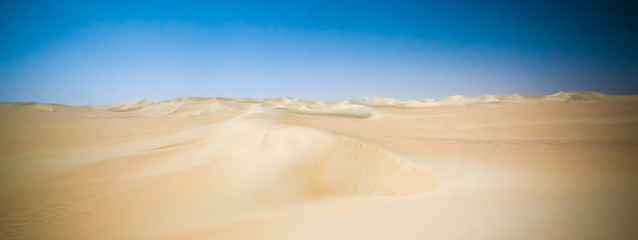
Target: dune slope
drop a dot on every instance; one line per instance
(561, 166)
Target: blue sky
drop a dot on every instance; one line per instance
(106, 52)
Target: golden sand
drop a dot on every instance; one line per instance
(563, 166)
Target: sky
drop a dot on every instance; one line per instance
(108, 52)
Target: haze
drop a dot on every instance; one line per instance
(108, 52)
(318, 120)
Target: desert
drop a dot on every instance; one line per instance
(561, 166)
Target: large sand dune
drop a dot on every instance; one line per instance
(563, 166)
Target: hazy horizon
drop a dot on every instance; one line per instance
(106, 53)
(82, 157)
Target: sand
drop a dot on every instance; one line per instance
(563, 166)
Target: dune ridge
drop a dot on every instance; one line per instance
(521, 166)
(305, 106)
(359, 108)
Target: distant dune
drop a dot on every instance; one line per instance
(562, 166)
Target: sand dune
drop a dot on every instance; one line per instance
(561, 166)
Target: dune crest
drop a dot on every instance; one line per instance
(358, 108)
(490, 167)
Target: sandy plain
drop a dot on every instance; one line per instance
(563, 166)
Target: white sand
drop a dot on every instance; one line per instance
(563, 166)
